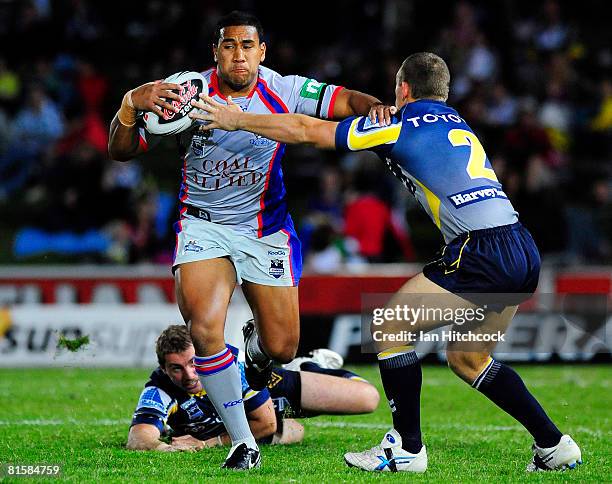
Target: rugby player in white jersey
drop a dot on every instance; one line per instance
(234, 226)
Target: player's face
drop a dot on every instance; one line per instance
(180, 369)
(238, 55)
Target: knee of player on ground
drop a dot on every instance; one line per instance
(369, 398)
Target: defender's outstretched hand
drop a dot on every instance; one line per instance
(220, 116)
(381, 113)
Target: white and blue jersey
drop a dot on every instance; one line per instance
(433, 151)
(236, 177)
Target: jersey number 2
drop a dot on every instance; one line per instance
(476, 164)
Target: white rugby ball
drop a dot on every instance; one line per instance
(192, 85)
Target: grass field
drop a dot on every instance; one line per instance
(79, 418)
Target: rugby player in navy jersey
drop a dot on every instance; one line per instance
(174, 404)
(433, 151)
(234, 225)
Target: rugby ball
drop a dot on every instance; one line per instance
(192, 85)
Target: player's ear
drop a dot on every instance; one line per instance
(214, 49)
(406, 90)
(262, 47)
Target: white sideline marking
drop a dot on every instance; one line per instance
(458, 427)
(309, 423)
(358, 425)
(70, 421)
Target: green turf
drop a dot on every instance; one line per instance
(79, 418)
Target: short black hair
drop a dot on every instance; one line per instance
(427, 74)
(238, 18)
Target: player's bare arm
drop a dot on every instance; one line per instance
(262, 420)
(286, 128)
(146, 437)
(350, 103)
(123, 142)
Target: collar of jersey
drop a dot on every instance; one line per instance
(431, 101)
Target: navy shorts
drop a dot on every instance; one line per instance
(502, 259)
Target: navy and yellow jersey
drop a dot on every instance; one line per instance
(173, 410)
(433, 151)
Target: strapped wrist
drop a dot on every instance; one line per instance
(127, 113)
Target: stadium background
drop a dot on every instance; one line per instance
(77, 227)
(85, 242)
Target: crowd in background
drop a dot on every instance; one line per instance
(533, 79)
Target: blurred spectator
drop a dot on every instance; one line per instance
(328, 199)
(92, 87)
(325, 255)
(368, 220)
(533, 81)
(501, 107)
(36, 127)
(481, 61)
(589, 226)
(527, 139)
(551, 33)
(38, 124)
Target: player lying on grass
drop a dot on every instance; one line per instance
(174, 404)
(433, 151)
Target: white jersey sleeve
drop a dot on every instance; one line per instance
(307, 96)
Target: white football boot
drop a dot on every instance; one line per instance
(322, 356)
(565, 455)
(388, 456)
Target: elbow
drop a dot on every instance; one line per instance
(139, 441)
(131, 445)
(135, 444)
(118, 155)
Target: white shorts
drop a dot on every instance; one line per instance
(273, 260)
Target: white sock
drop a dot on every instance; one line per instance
(221, 380)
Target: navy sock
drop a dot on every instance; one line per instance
(400, 371)
(504, 387)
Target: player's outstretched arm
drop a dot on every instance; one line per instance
(146, 437)
(286, 128)
(123, 143)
